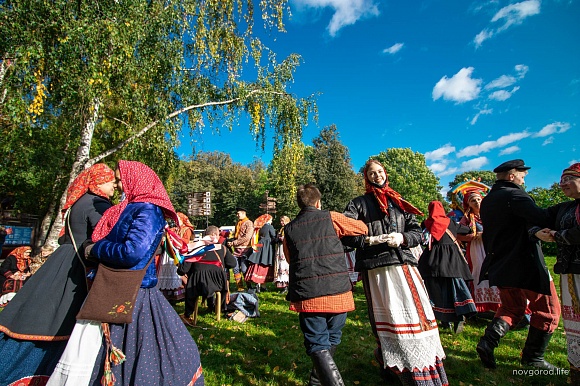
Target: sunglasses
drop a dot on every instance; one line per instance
(566, 179)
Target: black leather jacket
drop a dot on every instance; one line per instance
(366, 209)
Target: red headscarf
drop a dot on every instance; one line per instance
(184, 221)
(383, 193)
(140, 184)
(88, 179)
(437, 222)
(22, 261)
(573, 170)
(261, 220)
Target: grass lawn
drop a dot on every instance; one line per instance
(269, 350)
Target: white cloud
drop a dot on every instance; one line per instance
(482, 36)
(474, 164)
(501, 82)
(553, 128)
(440, 153)
(522, 70)
(346, 12)
(481, 112)
(393, 49)
(505, 140)
(438, 167)
(502, 95)
(459, 88)
(508, 16)
(510, 150)
(548, 141)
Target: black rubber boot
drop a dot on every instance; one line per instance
(533, 352)
(326, 369)
(314, 381)
(490, 340)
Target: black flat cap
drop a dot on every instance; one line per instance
(240, 209)
(509, 165)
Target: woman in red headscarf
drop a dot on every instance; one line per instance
(486, 298)
(36, 324)
(565, 231)
(261, 270)
(158, 349)
(445, 271)
(400, 313)
(14, 271)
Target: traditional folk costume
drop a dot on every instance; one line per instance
(157, 346)
(168, 281)
(261, 269)
(37, 323)
(444, 269)
(486, 298)
(14, 271)
(282, 268)
(206, 275)
(565, 221)
(320, 289)
(400, 312)
(514, 262)
(242, 245)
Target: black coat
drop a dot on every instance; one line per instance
(562, 218)
(366, 208)
(513, 257)
(445, 259)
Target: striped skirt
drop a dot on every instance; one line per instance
(404, 325)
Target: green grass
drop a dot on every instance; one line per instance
(269, 351)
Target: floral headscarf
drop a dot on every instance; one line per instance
(22, 260)
(383, 193)
(88, 179)
(437, 222)
(140, 184)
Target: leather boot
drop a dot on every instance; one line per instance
(314, 381)
(239, 284)
(326, 369)
(533, 352)
(490, 340)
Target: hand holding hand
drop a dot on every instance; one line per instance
(546, 235)
(395, 239)
(374, 240)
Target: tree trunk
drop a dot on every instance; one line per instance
(81, 162)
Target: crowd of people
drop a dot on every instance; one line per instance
(417, 279)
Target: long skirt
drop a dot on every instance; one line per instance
(168, 281)
(36, 324)
(571, 316)
(259, 274)
(451, 298)
(158, 348)
(282, 268)
(486, 298)
(404, 325)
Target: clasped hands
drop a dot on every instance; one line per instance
(393, 239)
(546, 235)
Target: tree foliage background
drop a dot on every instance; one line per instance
(82, 82)
(409, 175)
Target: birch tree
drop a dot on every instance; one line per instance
(104, 80)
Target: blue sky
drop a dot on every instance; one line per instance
(470, 84)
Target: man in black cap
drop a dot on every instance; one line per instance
(515, 264)
(241, 244)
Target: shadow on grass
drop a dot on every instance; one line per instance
(269, 351)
